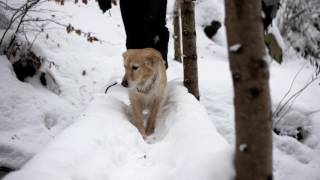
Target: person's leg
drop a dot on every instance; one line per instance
(155, 31)
(132, 16)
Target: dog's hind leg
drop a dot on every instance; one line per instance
(152, 116)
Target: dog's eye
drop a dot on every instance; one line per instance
(135, 67)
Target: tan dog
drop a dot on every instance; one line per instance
(145, 76)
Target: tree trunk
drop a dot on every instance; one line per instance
(177, 31)
(190, 66)
(252, 102)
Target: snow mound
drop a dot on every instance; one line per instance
(103, 144)
(30, 117)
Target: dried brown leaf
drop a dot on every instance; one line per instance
(78, 31)
(69, 28)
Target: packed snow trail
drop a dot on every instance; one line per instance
(104, 145)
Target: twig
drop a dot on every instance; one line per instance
(289, 90)
(21, 20)
(13, 18)
(292, 99)
(34, 39)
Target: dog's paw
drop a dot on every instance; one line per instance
(151, 139)
(143, 134)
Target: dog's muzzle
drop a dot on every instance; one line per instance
(124, 83)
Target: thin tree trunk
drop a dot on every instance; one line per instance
(252, 102)
(190, 66)
(177, 31)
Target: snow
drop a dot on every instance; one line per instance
(103, 144)
(235, 48)
(83, 133)
(30, 117)
(243, 147)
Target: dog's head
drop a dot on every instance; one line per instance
(140, 66)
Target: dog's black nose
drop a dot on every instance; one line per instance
(124, 83)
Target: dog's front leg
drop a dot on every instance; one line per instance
(137, 115)
(152, 116)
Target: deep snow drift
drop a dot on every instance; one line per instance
(103, 144)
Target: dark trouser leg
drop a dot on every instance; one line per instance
(156, 32)
(132, 12)
(145, 24)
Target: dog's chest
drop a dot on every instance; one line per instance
(147, 99)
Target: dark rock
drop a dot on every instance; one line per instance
(4, 171)
(43, 80)
(27, 65)
(212, 29)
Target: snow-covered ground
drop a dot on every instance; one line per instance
(103, 144)
(83, 133)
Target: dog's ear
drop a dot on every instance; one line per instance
(153, 57)
(125, 55)
(150, 62)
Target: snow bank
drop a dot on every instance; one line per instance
(30, 117)
(103, 144)
(295, 160)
